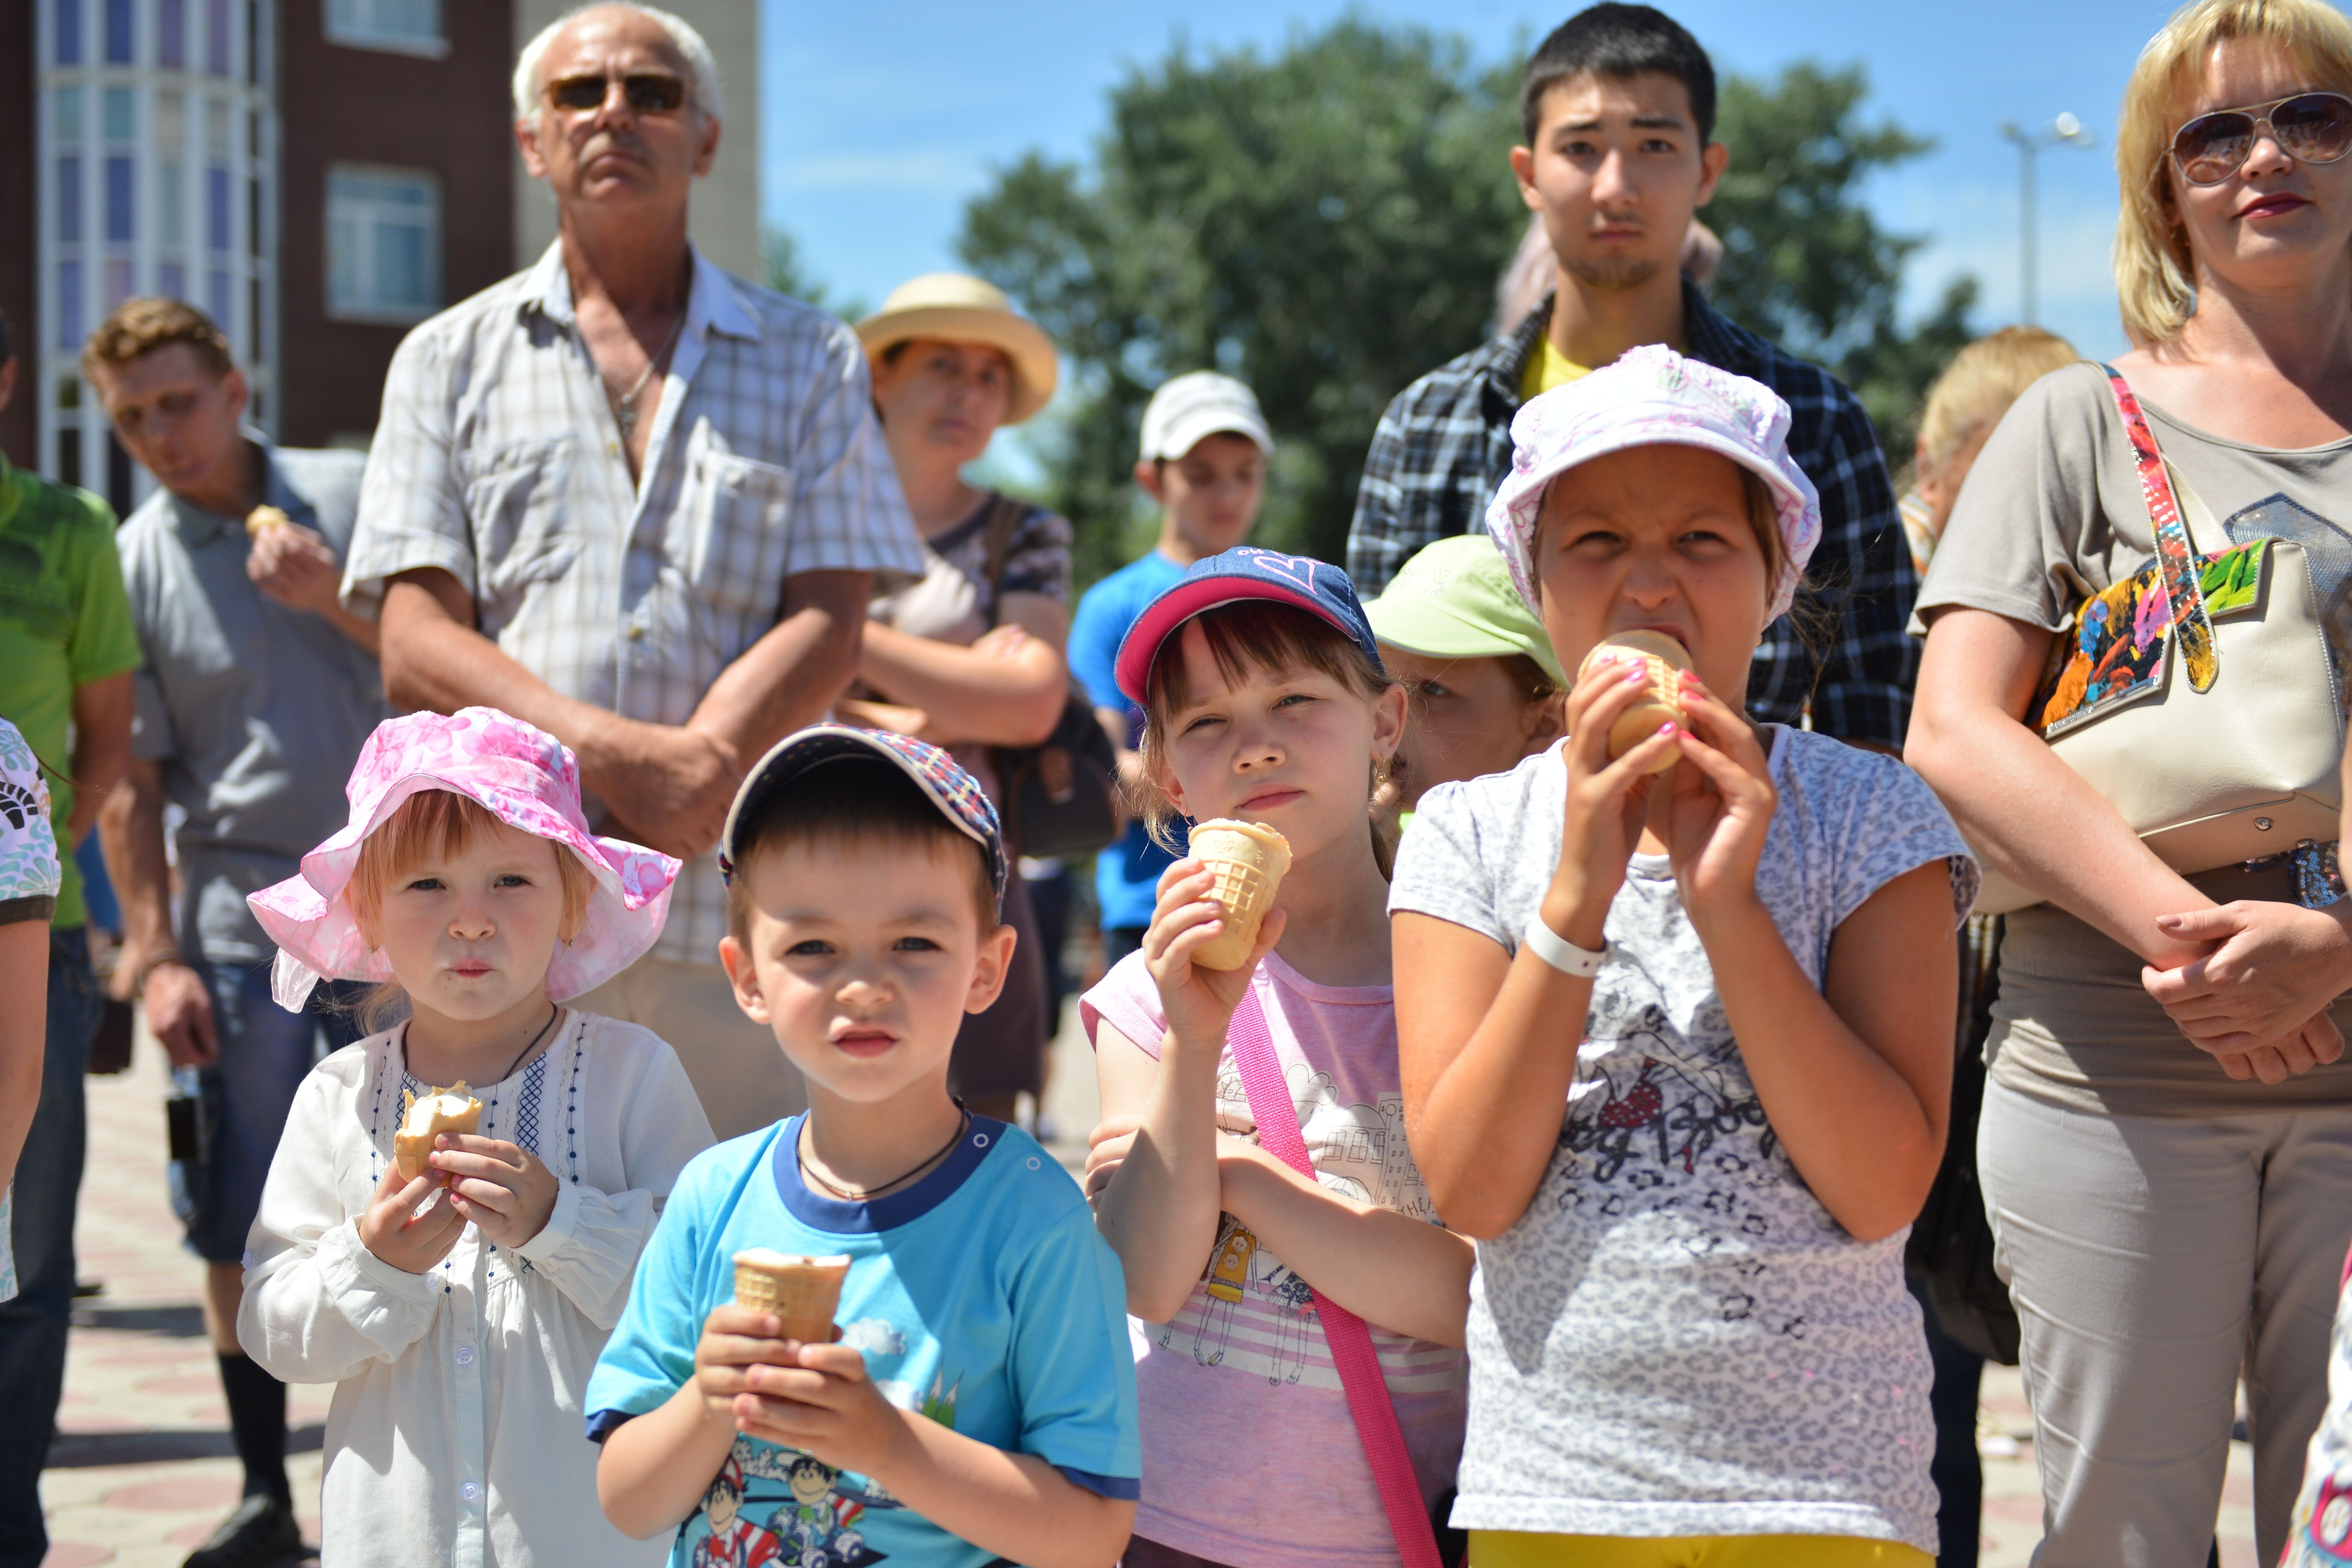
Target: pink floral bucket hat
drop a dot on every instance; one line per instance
(1654, 396)
(524, 777)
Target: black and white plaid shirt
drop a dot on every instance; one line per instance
(1445, 443)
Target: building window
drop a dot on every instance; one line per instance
(68, 17)
(383, 244)
(121, 46)
(69, 199)
(172, 33)
(121, 114)
(218, 297)
(68, 116)
(119, 285)
(407, 26)
(120, 197)
(69, 305)
(172, 280)
(216, 37)
(217, 207)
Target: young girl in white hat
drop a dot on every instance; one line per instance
(460, 1312)
(1677, 1044)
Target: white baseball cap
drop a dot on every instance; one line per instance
(1201, 403)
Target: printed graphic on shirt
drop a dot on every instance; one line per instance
(1250, 1312)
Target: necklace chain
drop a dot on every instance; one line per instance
(867, 1194)
(624, 407)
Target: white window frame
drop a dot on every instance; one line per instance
(356, 24)
(340, 210)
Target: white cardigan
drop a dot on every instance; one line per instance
(457, 1435)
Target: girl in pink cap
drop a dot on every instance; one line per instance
(459, 1310)
(1676, 1032)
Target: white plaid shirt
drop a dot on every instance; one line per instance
(498, 460)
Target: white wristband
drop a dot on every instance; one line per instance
(1561, 953)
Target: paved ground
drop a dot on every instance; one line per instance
(143, 1470)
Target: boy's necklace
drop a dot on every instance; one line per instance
(867, 1194)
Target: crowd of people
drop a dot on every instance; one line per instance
(656, 754)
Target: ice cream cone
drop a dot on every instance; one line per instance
(425, 1117)
(803, 1291)
(263, 517)
(1665, 660)
(1248, 860)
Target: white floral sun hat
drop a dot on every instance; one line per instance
(524, 777)
(1654, 396)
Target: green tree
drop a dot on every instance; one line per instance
(1329, 224)
(1326, 224)
(1804, 262)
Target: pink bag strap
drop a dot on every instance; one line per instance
(2177, 555)
(1359, 1364)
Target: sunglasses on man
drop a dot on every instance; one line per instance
(648, 92)
(2309, 127)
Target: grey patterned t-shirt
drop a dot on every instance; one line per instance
(1676, 1339)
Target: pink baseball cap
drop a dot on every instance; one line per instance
(1654, 396)
(1245, 571)
(521, 775)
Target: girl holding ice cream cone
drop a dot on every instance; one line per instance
(1269, 722)
(457, 1285)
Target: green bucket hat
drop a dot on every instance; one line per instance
(1455, 600)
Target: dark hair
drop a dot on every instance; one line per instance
(1620, 41)
(851, 800)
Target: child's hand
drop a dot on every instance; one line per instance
(1606, 801)
(502, 1189)
(412, 1245)
(735, 1340)
(1721, 807)
(827, 1407)
(1198, 1003)
(1107, 1148)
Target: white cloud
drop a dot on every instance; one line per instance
(874, 1336)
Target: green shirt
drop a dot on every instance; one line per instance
(64, 622)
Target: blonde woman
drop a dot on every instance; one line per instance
(2166, 1139)
(1967, 401)
(978, 650)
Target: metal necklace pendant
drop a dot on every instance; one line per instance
(624, 404)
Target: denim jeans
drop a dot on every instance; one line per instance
(48, 1179)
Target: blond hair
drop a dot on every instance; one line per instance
(2155, 277)
(1983, 379)
(141, 326)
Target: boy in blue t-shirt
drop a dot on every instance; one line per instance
(1205, 448)
(979, 1404)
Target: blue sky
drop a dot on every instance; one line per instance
(880, 120)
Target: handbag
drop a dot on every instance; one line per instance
(1949, 1254)
(1059, 798)
(1359, 1364)
(2197, 695)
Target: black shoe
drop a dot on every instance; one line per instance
(259, 1534)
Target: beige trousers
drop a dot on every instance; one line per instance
(2153, 1260)
(737, 1071)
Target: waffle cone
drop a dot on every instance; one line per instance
(804, 1292)
(1248, 860)
(409, 1150)
(1664, 659)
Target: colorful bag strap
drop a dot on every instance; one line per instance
(2192, 629)
(1359, 1364)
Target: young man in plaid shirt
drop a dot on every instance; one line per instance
(1618, 106)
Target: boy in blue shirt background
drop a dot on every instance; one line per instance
(979, 1402)
(1205, 448)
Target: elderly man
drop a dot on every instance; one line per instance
(637, 502)
(66, 657)
(259, 690)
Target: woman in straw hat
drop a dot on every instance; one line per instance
(972, 656)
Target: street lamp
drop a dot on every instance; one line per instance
(2064, 130)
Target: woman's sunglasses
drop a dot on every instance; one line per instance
(2309, 127)
(649, 92)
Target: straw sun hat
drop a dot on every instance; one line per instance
(955, 308)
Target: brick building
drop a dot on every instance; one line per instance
(318, 175)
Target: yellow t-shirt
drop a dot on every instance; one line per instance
(1547, 368)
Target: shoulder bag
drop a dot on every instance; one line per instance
(1059, 799)
(2197, 695)
(1353, 1354)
